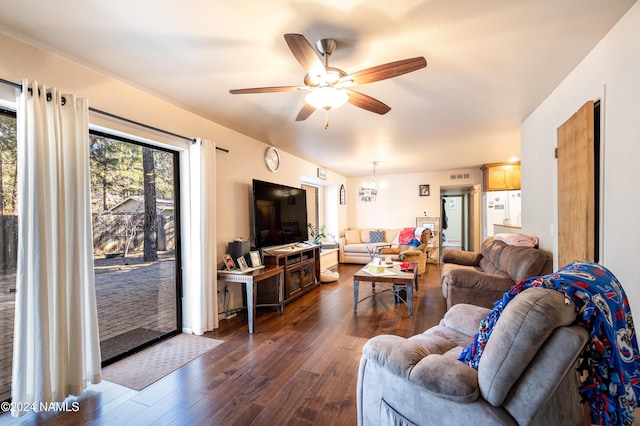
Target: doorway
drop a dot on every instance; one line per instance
(136, 232)
(454, 235)
(579, 156)
(460, 217)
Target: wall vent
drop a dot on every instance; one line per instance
(458, 176)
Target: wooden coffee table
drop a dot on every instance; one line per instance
(393, 279)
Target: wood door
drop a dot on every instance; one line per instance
(577, 187)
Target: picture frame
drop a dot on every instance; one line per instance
(423, 190)
(322, 173)
(228, 262)
(242, 262)
(255, 259)
(343, 195)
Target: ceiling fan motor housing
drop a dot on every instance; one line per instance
(326, 45)
(329, 78)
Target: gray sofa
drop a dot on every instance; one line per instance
(526, 375)
(481, 278)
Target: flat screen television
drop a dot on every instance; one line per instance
(279, 214)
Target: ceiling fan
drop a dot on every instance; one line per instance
(328, 86)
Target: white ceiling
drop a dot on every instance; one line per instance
(490, 63)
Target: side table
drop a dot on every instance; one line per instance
(374, 248)
(251, 281)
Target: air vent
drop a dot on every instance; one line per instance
(459, 176)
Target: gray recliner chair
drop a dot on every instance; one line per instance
(526, 374)
(481, 278)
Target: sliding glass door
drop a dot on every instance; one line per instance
(8, 245)
(135, 202)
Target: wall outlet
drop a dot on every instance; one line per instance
(425, 213)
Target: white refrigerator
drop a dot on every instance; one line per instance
(502, 208)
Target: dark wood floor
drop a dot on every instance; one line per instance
(299, 368)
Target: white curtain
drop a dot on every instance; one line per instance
(56, 349)
(201, 289)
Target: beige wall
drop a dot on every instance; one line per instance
(234, 170)
(398, 205)
(235, 173)
(609, 73)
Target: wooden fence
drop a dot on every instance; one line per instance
(120, 232)
(112, 233)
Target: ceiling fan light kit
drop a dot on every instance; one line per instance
(327, 85)
(326, 98)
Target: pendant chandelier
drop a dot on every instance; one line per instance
(369, 190)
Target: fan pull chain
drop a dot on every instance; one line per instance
(326, 119)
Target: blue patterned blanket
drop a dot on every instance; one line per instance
(611, 358)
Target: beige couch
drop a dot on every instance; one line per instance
(354, 245)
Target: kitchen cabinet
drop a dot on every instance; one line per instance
(501, 176)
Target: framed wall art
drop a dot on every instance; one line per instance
(424, 190)
(322, 173)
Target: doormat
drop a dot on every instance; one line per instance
(121, 343)
(150, 365)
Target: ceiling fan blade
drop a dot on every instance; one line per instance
(265, 90)
(382, 72)
(367, 102)
(305, 112)
(305, 54)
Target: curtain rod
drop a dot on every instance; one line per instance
(117, 117)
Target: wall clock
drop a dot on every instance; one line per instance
(272, 159)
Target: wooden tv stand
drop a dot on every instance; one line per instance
(301, 269)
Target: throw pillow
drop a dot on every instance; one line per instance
(352, 237)
(376, 236)
(406, 235)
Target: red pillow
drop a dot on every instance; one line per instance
(406, 235)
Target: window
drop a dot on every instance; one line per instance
(313, 215)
